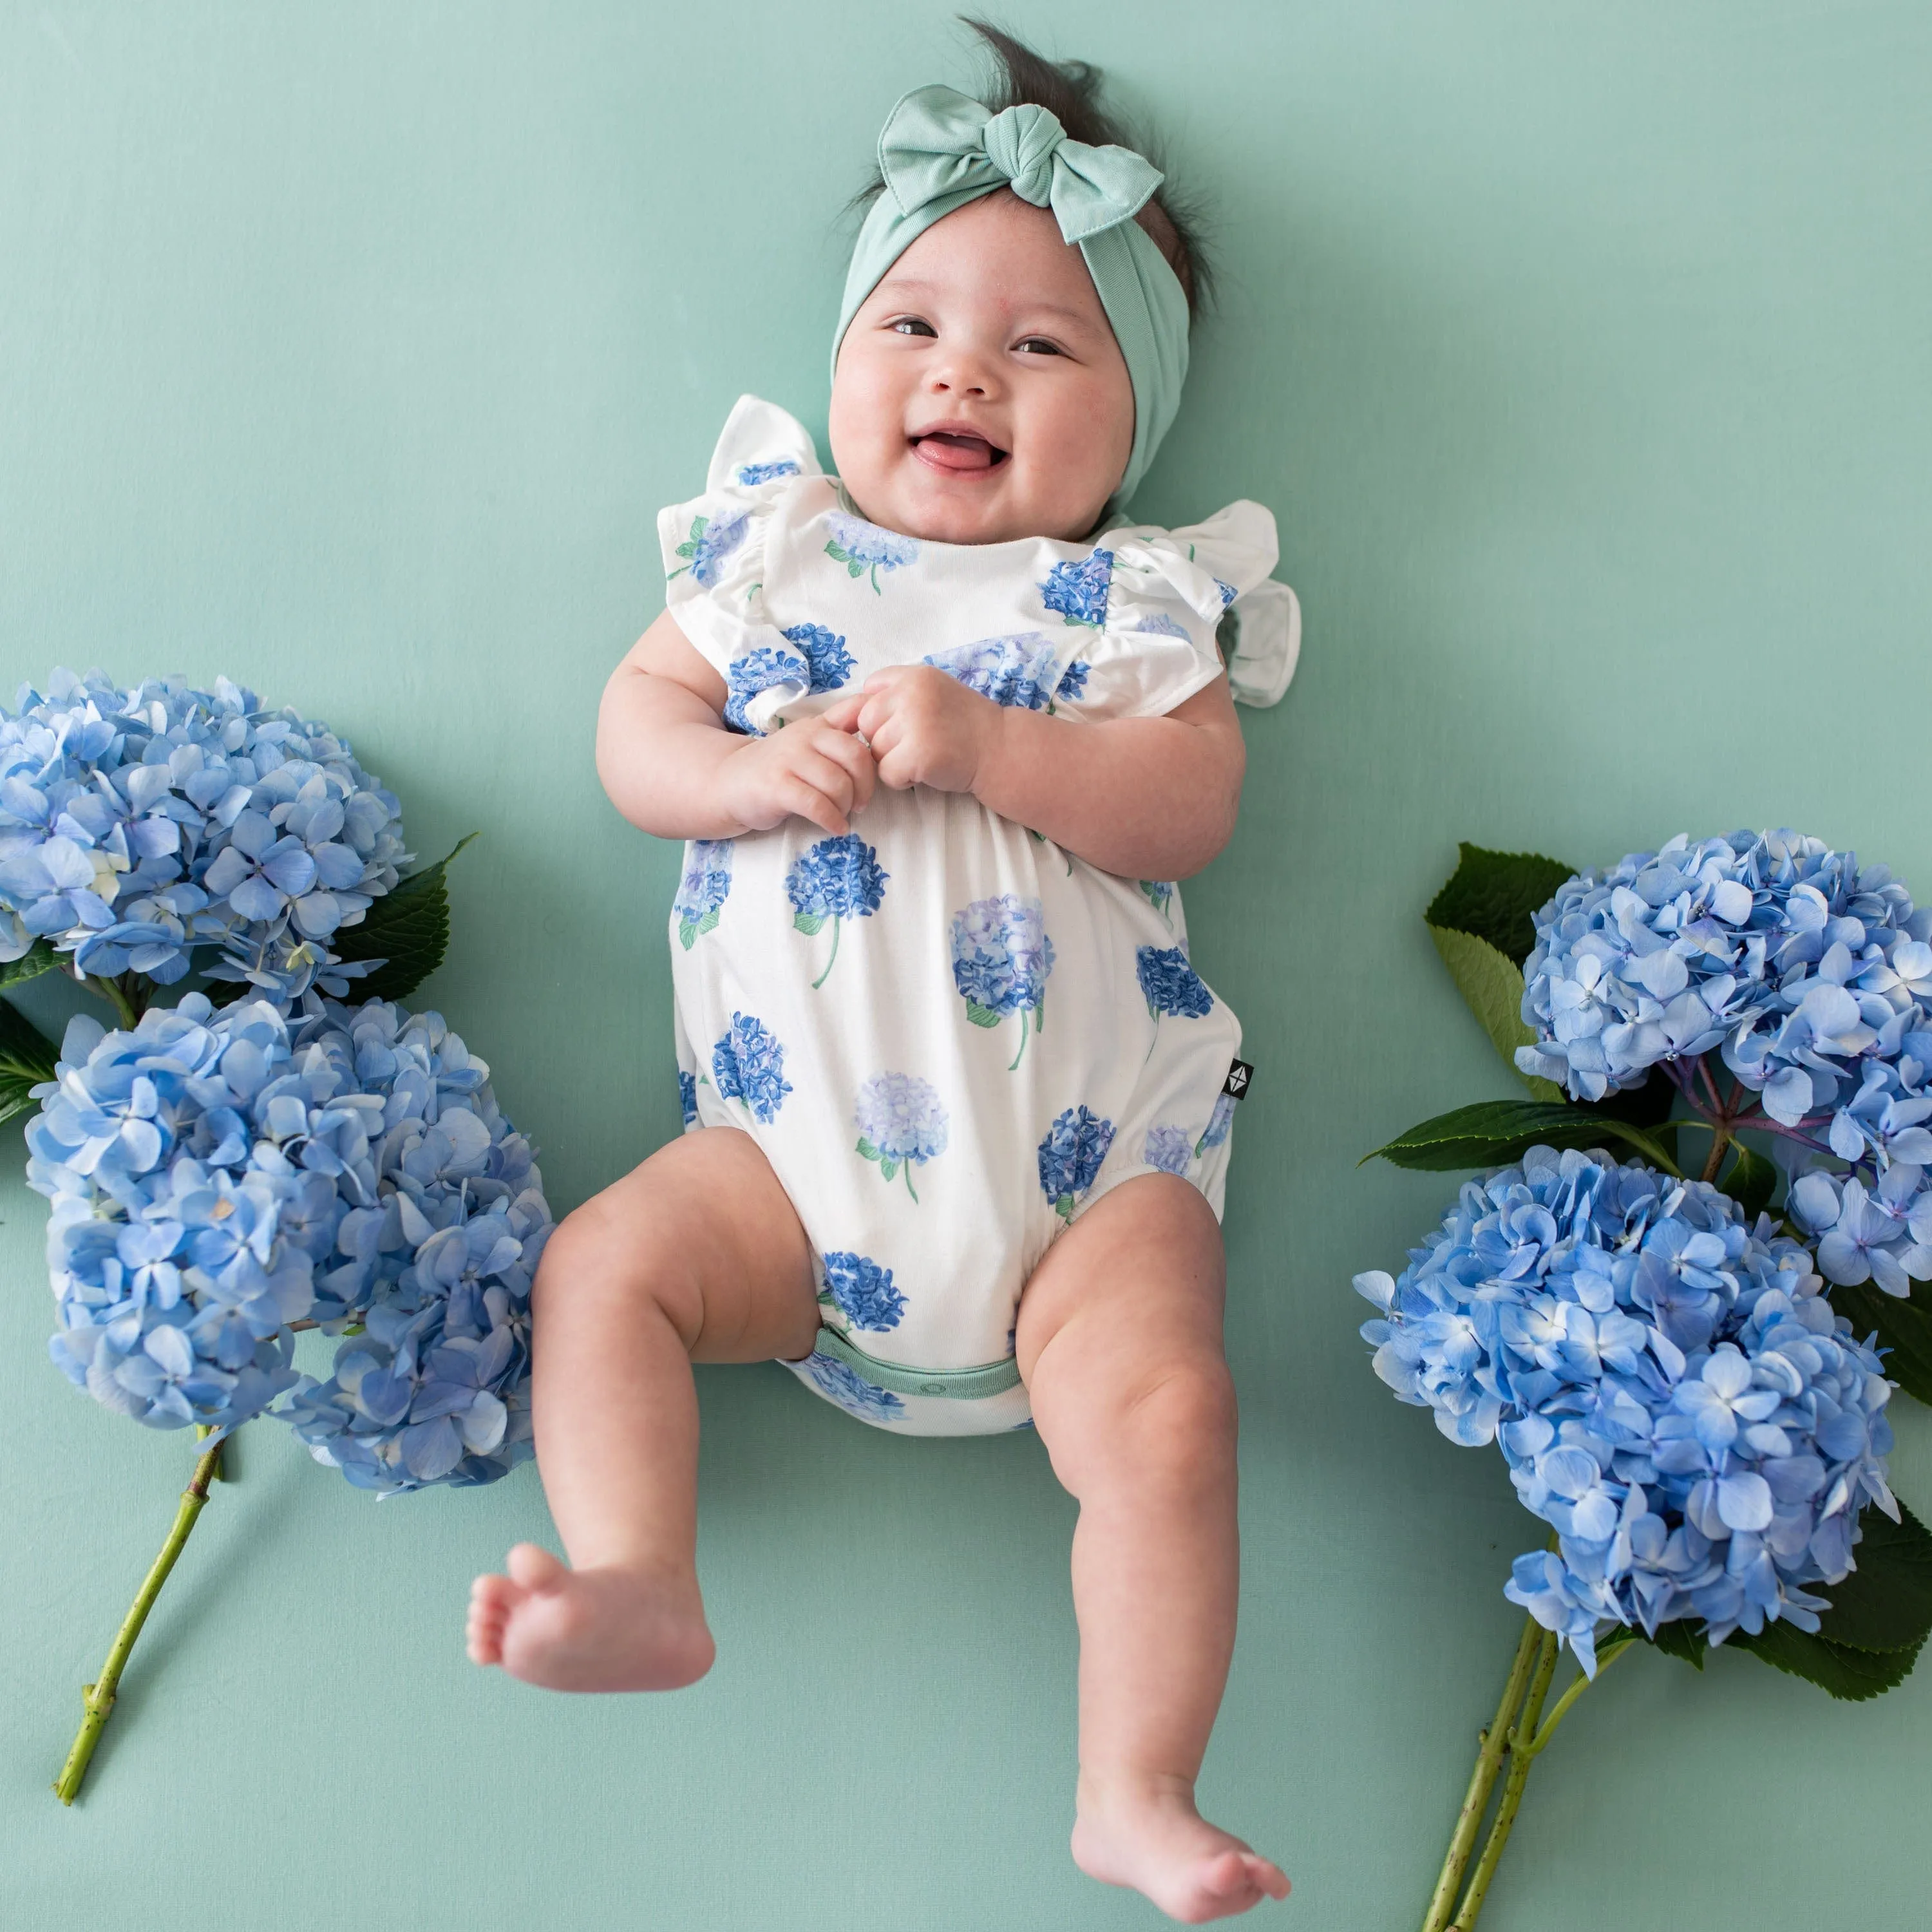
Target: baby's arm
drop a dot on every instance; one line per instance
(672, 767)
(1151, 798)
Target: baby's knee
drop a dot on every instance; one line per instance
(1169, 1420)
(601, 1252)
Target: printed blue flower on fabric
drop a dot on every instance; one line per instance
(752, 474)
(861, 1290)
(1220, 1122)
(1170, 984)
(902, 1123)
(712, 539)
(850, 1391)
(687, 1096)
(1070, 1157)
(1020, 672)
(1167, 1148)
(829, 662)
(1072, 684)
(1227, 590)
(1159, 893)
(1079, 591)
(703, 889)
(758, 670)
(836, 879)
(862, 546)
(1001, 957)
(748, 1064)
(1159, 624)
(1670, 1388)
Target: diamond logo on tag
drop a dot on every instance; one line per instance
(1240, 1074)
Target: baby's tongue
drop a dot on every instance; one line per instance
(957, 452)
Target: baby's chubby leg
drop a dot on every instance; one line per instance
(696, 1255)
(1120, 1341)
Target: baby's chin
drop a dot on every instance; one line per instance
(986, 510)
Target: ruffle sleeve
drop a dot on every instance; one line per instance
(714, 559)
(1176, 601)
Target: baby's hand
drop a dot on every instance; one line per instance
(924, 727)
(814, 768)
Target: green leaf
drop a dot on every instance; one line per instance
(888, 1168)
(27, 1058)
(408, 929)
(39, 957)
(1851, 1674)
(1493, 985)
(709, 923)
(687, 934)
(981, 1016)
(838, 556)
(1677, 1638)
(1904, 1329)
(1886, 1603)
(1493, 895)
(868, 1150)
(1751, 1181)
(808, 922)
(1493, 1133)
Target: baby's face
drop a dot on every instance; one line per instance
(980, 394)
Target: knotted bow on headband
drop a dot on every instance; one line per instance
(940, 149)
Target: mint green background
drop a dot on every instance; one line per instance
(350, 351)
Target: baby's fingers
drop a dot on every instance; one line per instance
(844, 716)
(856, 759)
(803, 799)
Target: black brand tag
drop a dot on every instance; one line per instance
(1240, 1073)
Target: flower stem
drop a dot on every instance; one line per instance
(822, 978)
(1721, 1139)
(1521, 1731)
(97, 1698)
(1019, 1056)
(1492, 1744)
(116, 994)
(1605, 1658)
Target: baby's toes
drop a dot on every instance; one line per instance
(491, 1599)
(1267, 1876)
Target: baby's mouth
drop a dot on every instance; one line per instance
(957, 454)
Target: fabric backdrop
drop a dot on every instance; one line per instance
(350, 350)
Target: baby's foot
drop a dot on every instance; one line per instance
(1144, 1831)
(588, 1630)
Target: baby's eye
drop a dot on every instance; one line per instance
(1038, 345)
(911, 325)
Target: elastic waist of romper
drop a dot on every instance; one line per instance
(961, 1384)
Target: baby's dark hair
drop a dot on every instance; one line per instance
(1071, 91)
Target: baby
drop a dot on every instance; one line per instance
(942, 731)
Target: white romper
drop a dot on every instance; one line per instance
(950, 1037)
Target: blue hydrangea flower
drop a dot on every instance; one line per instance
(1001, 957)
(687, 1096)
(704, 889)
(1079, 591)
(901, 1123)
(1159, 893)
(1070, 1157)
(758, 670)
(825, 653)
(862, 1291)
(161, 827)
(1227, 590)
(1170, 984)
(1159, 624)
(862, 547)
(1073, 683)
(1020, 672)
(748, 1064)
(1169, 1149)
(712, 539)
(836, 879)
(1219, 1124)
(850, 1391)
(752, 474)
(1666, 1382)
(218, 1175)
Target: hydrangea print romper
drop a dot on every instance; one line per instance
(950, 1037)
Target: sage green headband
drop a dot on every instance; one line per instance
(940, 149)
